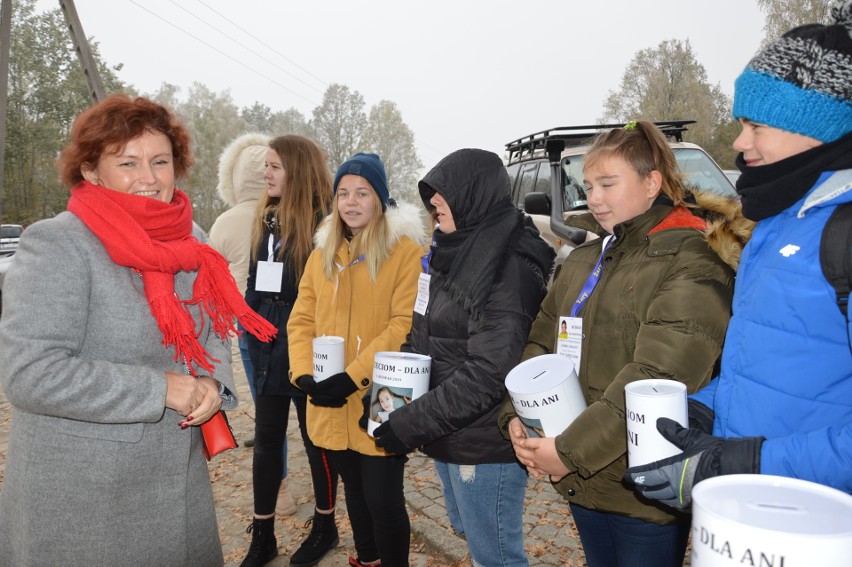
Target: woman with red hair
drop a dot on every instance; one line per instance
(113, 350)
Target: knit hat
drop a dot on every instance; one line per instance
(370, 167)
(802, 82)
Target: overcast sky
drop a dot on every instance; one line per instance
(464, 73)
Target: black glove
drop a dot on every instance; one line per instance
(306, 383)
(700, 416)
(671, 480)
(387, 439)
(362, 423)
(333, 391)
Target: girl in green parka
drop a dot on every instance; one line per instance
(653, 299)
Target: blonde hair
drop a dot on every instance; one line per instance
(643, 146)
(373, 241)
(306, 199)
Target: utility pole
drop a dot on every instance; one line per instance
(81, 46)
(5, 42)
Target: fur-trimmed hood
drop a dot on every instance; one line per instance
(403, 220)
(241, 166)
(727, 229)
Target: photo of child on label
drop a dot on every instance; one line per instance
(388, 399)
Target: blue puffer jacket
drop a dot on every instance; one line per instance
(787, 365)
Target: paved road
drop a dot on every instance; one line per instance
(550, 539)
(550, 536)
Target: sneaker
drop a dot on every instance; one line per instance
(264, 546)
(285, 505)
(322, 539)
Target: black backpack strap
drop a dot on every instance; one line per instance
(835, 254)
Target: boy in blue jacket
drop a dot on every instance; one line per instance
(782, 403)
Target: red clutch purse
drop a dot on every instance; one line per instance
(217, 435)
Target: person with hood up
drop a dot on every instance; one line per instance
(360, 284)
(782, 402)
(241, 185)
(652, 299)
(486, 275)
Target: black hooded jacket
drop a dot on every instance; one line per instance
(483, 297)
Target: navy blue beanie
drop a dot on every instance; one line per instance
(801, 81)
(370, 167)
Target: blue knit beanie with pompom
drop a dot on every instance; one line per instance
(802, 82)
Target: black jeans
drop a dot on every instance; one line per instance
(270, 429)
(373, 487)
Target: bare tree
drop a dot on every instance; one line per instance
(784, 15)
(391, 138)
(338, 123)
(668, 83)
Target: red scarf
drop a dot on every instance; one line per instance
(155, 239)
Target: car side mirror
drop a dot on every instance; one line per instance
(537, 203)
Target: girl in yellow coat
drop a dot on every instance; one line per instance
(360, 283)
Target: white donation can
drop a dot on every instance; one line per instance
(645, 401)
(546, 394)
(398, 378)
(770, 521)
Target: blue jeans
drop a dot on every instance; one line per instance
(612, 540)
(486, 504)
(244, 355)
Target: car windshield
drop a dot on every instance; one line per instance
(700, 172)
(10, 231)
(698, 169)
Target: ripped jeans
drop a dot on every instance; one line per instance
(485, 503)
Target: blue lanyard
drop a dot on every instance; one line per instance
(350, 264)
(592, 281)
(428, 257)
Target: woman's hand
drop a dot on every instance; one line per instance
(516, 430)
(518, 433)
(210, 404)
(197, 399)
(537, 454)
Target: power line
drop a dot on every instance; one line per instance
(266, 45)
(262, 56)
(214, 48)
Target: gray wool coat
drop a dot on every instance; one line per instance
(98, 471)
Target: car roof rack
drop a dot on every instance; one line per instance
(554, 140)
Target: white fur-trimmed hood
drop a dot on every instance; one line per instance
(403, 220)
(241, 166)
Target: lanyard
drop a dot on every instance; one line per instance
(593, 279)
(357, 260)
(424, 261)
(272, 249)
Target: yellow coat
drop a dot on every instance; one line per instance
(371, 316)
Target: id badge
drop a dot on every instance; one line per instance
(269, 276)
(422, 301)
(569, 339)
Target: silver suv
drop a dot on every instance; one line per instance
(546, 170)
(10, 234)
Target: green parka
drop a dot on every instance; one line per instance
(660, 310)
